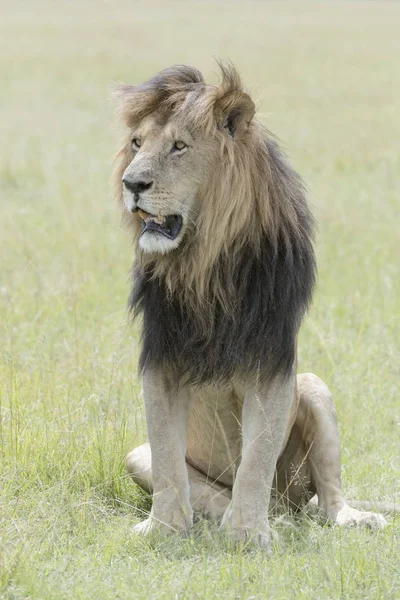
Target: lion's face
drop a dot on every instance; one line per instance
(189, 170)
(162, 181)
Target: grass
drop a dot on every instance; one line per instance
(327, 83)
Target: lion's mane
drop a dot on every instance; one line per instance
(229, 301)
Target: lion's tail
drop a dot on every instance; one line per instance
(373, 505)
(383, 507)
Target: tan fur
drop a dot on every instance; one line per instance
(257, 439)
(308, 463)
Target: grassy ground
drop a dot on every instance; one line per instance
(328, 84)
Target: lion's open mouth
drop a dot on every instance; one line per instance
(168, 226)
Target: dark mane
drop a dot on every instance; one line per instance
(267, 290)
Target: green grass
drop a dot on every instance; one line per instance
(327, 81)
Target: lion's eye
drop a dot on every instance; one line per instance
(179, 145)
(136, 143)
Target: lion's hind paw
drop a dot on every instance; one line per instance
(351, 517)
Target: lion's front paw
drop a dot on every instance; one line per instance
(351, 517)
(247, 530)
(246, 535)
(146, 527)
(178, 523)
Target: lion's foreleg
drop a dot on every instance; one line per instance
(266, 411)
(167, 415)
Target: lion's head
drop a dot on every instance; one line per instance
(176, 159)
(218, 215)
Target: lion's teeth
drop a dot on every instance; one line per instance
(144, 215)
(159, 220)
(148, 217)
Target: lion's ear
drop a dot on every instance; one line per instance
(233, 109)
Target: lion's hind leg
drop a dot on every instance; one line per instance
(138, 464)
(293, 485)
(206, 497)
(316, 421)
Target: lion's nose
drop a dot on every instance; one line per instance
(136, 186)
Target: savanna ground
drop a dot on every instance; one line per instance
(327, 81)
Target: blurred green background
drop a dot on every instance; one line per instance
(326, 79)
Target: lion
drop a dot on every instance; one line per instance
(223, 276)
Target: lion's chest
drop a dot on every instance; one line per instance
(214, 436)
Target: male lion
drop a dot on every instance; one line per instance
(224, 273)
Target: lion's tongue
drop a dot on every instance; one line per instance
(149, 217)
